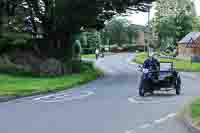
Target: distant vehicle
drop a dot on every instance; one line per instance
(164, 79)
(28, 25)
(106, 49)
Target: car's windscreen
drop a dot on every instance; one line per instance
(165, 66)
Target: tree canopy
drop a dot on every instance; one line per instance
(62, 19)
(173, 21)
(73, 14)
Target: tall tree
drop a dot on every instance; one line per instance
(173, 20)
(116, 28)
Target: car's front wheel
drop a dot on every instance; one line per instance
(141, 90)
(178, 86)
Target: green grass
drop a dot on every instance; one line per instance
(88, 56)
(194, 111)
(180, 64)
(23, 86)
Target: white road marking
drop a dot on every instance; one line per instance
(145, 126)
(130, 131)
(63, 97)
(36, 99)
(132, 100)
(153, 123)
(161, 120)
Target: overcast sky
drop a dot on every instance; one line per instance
(142, 18)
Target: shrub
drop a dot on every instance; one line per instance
(90, 41)
(11, 40)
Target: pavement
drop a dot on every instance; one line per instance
(108, 105)
(193, 75)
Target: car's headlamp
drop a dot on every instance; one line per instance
(145, 70)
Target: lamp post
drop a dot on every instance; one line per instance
(148, 26)
(146, 8)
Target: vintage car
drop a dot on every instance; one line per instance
(166, 78)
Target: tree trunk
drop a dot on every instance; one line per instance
(2, 5)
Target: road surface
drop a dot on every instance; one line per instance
(108, 105)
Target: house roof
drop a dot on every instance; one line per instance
(189, 38)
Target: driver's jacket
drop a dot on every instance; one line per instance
(154, 63)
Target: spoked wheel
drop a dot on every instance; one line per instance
(141, 90)
(178, 86)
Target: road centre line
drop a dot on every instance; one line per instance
(153, 123)
(145, 126)
(132, 100)
(161, 120)
(130, 131)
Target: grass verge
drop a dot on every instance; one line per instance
(88, 56)
(180, 64)
(12, 85)
(194, 112)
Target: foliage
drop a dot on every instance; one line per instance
(116, 30)
(120, 31)
(12, 40)
(195, 110)
(172, 21)
(61, 20)
(90, 41)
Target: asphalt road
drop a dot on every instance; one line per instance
(108, 105)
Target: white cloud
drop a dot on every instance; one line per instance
(141, 18)
(197, 5)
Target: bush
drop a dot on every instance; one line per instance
(13, 40)
(90, 41)
(14, 70)
(87, 66)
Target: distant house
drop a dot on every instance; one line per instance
(143, 39)
(140, 39)
(189, 45)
